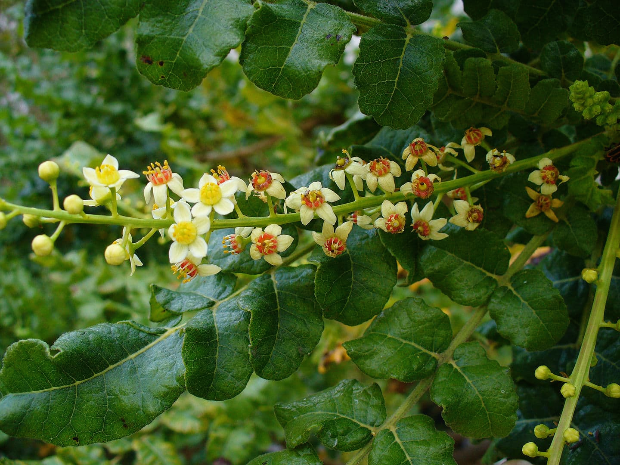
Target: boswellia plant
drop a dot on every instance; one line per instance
(476, 155)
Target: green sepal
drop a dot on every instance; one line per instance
(493, 33)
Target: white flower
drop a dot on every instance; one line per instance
(161, 178)
(547, 176)
(382, 171)
(393, 217)
(99, 196)
(334, 243)
(266, 181)
(424, 225)
(417, 149)
(352, 165)
(363, 221)
(441, 153)
(498, 162)
(472, 138)
(311, 199)
(235, 243)
(186, 234)
(421, 185)
(212, 196)
(132, 257)
(190, 267)
(267, 244)
(468, 216)
(105, 176)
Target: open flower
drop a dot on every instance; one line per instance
(393, 217)
(186, 234)
(266, 181)
(382, 171)
(473, 137)
(417, 149)
(190, 267)
(211, 195)
(161, 178)
(547, 177)
(268, 243)
(352, 165)
(542, 203)
(441, 153)
(106, 176)
(235, 243)
(221, 175)
(363, 221)
(132, 257)
(311, 199)
(498, 162)
(468, 216)
(421, 185)
(334, 243)
(460, 194)
(424, 225)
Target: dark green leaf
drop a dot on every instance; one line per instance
(71, 26)
(357, 130)
(576, 234)
(494, 33)
(342, 416)
(603, 21)
(178, 43)
(478, 78)
(403, 342)
(406, 247)
(541, 21)
(564, 271)
(413, 440)
(561, 60)
(465, 265)
(289, 43)
(355, 286)
(477, 395)
(304, 455)
(599, 429)
(476, 9)
(530, 312)
(401, 12)
(92, 385)
(517, 202)
(397, 75)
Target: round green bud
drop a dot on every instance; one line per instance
(530, 449)
(74, 204)
(3, 221)
(612, 390)
(589, 275)
(542, 372)
(42, 245)
(31, 221)
(49, 171)
(571, 435)
(541, 431)
(115, 254)
(568, 390)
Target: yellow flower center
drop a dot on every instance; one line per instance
(107, 174)
(185, 233)
(210, 194)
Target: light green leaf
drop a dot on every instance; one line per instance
(547, 101)
(152, 450)
(530, 312)
(561, 60)
(477, 394)
(403, 342)
(494, 33)
(576, 233)
(92, 385)
(355, 286)
(466, 264)
(72, 25)
(179, 42)
(303, 455)
(342, 416)
(413, 440)
(541, 21)
(397, 74)
(289, 43)
(400, 12)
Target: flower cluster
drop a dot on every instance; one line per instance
(547, 177)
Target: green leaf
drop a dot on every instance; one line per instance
(413, 440)
(355, 286)
(71, 26)
(582, 173)
(477, 394)
(397, 74)
(465, 265)
(406, 247)
(92, 385)
(342, 417)
(576, 234)
(179, 43)
(547, 101)
(403, 342)
(603, 21)
(290, 42)
(494, 33)
(151, 450)
(286, 321)
(564, 271)
(303, 455)
(400, 12)
(357, 130)
(561, 60)
(478, 78)
(530, 312)
(476, 9)
(541, 21)
(517, 202)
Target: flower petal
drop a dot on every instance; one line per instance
(147, 192)
(202, 223)
(110, 160)
(535, 177)
(284, 242)
(306, 214)
(315, 186)
(273, 259)
(256, 233)
(126, 174)
(161, 194)
(293, 201)
(200, 209)
(459, 220)
(318, 238)
(548, 189)
(326, 212)
(371, 181)
(182, 212)
(91, 176)
(176, 184)
(532, 211)
(224, 206)
(470, 152)
(254, 253)
(328, 229)
(339, 177)
(380, 223)
(427, 212)
(401, 207)
(177, 252)
(199, 247)
(208, 270)
(329, 195)
(387, 208)
(276, 190)
(387, 183)
(206, 178)
(273, 229)
(191, 195)
(344, 229)
(461, 206)
(228, 188)
(532, 193)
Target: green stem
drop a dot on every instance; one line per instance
(299, 253)
(55, 202)
(239, 212)
(142, 241)
(272, 213)
(456, 161)
(113, 205)
(579, 376)
(58, 231)
(356, 196)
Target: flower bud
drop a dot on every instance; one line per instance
(568, 390)
(31, 221)
(115, 254)
(542, 372)
(541, 431)
(530, 449)
(612, 390)
(571, 435)
(49, 171)
(3, 221)
(74, 204)
(42, 245)
(589, 275)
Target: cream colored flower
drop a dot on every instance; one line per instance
(542, 203)
(266, 181)
(235, 243)
(186, 234)
(190, 268)
(211, 195)
(311, 199)
(333, 243)
(473, 137)
(547, 176)
(106, 176)
(424, 225)
(99, 196)
(498, 162)
(468, 216)
(363, 221)
(393, 217)
(352, 165)
(417, 149)
(421, 185)
(134, 260)
(382, 171)
(161, 178)
(266, 244)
